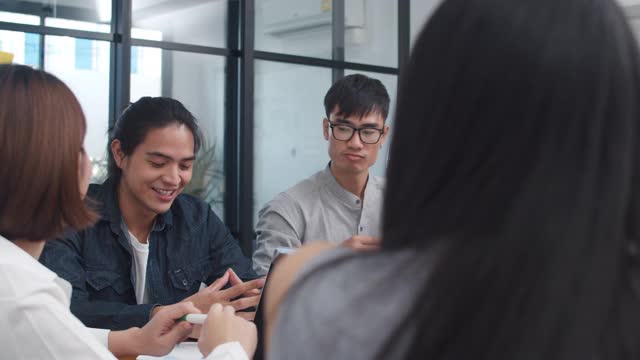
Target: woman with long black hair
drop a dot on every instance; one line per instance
(511, 206)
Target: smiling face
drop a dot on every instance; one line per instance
(353, 156)
(157, 171)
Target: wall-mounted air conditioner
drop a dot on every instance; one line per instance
(292, 17)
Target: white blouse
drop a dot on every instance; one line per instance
(36, 321)
(34, 306)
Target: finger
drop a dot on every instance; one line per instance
(369, 240)
(220, 282)
(178, 310)
(366, 248)
(240, 289)
(191, 308)
(249, 316)
(187, 337)
(178, 332)
(351, 243)
(195, 332)
(254, 292)
(234, 278)
(215, 308)
(246, 302)
(229, 310)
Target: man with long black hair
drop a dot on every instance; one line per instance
(152, 245)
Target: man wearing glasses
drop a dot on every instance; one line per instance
(343, 202)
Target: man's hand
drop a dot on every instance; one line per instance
(235, 280)
(212, 294)
(362, 243)
(223, 326)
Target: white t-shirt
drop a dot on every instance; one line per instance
(140, 254)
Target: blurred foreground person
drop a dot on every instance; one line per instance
(511, 203)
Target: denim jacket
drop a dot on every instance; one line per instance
(188, 245)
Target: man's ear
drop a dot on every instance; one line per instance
(118, 154)
(384, 135)
(325, 128)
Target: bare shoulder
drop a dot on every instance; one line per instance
(283, 276)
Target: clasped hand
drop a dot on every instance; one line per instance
(240, 295)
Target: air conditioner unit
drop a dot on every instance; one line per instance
(292, 17)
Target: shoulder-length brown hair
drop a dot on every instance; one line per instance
(42, 130)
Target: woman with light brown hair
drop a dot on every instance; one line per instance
(44, 174)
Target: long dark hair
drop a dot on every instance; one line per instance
(516, 149)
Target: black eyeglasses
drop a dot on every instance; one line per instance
(343, 132)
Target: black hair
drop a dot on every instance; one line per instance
(142, 116)
(357, 95)
(516, 151)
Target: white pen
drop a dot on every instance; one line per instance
(194, 318)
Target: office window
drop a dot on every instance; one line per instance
(371, 32)
(77, 25)
(288, 141)
(287, 95)
(84, 54)
(32, 49)
(146, 80)
(206, 21)
(91, 87)
(19, 18)
(197, 81)
(134, 60)
(74, 14)
(25, 47)
(296, 27)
